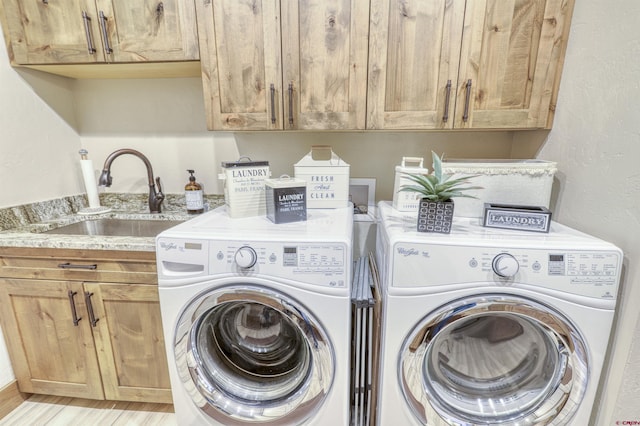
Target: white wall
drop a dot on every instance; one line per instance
(596, 142)
(162, 118)
(38, 148)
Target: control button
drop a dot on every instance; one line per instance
(273, 258)
(220, 255)
(505, 265)
(473, 263)
(245, 257)
(536, 266)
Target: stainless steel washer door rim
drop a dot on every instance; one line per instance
(249, 355)
(494, 359)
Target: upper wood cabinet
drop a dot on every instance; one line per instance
(99, 31)
(292, 65)
(486, 64)
(414, 52)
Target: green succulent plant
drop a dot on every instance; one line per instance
(438, 186)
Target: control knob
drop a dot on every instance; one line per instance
(245, 257)
(505, 265)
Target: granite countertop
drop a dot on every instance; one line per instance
(23, 226)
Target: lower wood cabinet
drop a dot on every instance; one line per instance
(70, 335)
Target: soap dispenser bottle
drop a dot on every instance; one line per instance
(193, 195)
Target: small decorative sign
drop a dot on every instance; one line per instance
(522, 218)
(286, 199)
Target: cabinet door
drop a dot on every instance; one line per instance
(512, 54)
(130, 343)
(324, 45)
(241, 63)
(53, 32)
(50, 353)
(149, 30)
(414, 50)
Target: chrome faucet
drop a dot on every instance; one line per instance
(155, 196)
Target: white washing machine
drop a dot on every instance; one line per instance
(492, 327)
(257, 318)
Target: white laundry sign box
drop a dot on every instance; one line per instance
(515, 182)
(327, 178)
(244, 187)
(405, 201)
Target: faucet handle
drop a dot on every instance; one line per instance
(155, 197)
(159, 194)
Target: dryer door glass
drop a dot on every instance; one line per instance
(251, 355)
(494, 360)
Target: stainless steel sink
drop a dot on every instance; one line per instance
(116, 227)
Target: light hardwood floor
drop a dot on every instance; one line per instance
(40, 410)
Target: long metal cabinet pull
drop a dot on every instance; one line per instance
(447, 96)
(87, 33)
(105, 35)
(74, 313)
(291, 104)
(76, 266)
(467, 98)
(92, 316)
(273, 104)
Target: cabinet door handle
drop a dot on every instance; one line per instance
(273, 104)
(105, 35)
(76, 266)
(467, 98)
(447, 97)
(92, 316)
(87, 32)
(291, 104)
(74, 313)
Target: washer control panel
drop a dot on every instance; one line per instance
(590, 273)
(323, 264)
(315, 263)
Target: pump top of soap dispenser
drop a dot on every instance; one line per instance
(192, 185)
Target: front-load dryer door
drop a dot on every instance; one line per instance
(494, 359)
(250, 355)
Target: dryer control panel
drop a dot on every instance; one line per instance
(591, 273)
(322, 264)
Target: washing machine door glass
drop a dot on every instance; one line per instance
(494, 359)
(251, 355)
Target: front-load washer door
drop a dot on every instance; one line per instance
(494, 360)
(249, 355)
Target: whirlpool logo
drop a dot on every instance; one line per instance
(406, 252)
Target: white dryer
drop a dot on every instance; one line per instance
(492, 327)
(257, 318)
